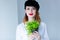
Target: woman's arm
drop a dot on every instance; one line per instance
(44, 32)
(18, 35)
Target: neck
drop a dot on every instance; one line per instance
(31, 19)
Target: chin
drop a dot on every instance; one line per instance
(31, 16)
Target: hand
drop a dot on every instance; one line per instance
(35, 35)
(31, 37)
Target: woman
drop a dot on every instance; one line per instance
(31, 14)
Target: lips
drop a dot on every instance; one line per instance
(31, 14)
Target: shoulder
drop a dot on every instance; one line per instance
(42, 28)
(20, 25)
(43, 24)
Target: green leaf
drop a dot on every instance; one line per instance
(32, 26)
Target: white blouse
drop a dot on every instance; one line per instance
(21, 33)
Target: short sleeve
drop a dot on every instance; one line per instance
(43, 32)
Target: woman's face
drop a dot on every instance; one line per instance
(30, 11)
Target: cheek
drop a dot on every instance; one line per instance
(27, 12)
(34, 12)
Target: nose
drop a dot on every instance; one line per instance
(31, 10)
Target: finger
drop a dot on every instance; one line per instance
(35, 32)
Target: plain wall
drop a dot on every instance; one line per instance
(8, 19)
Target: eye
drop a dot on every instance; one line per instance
(28, 8)
(34, 8)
